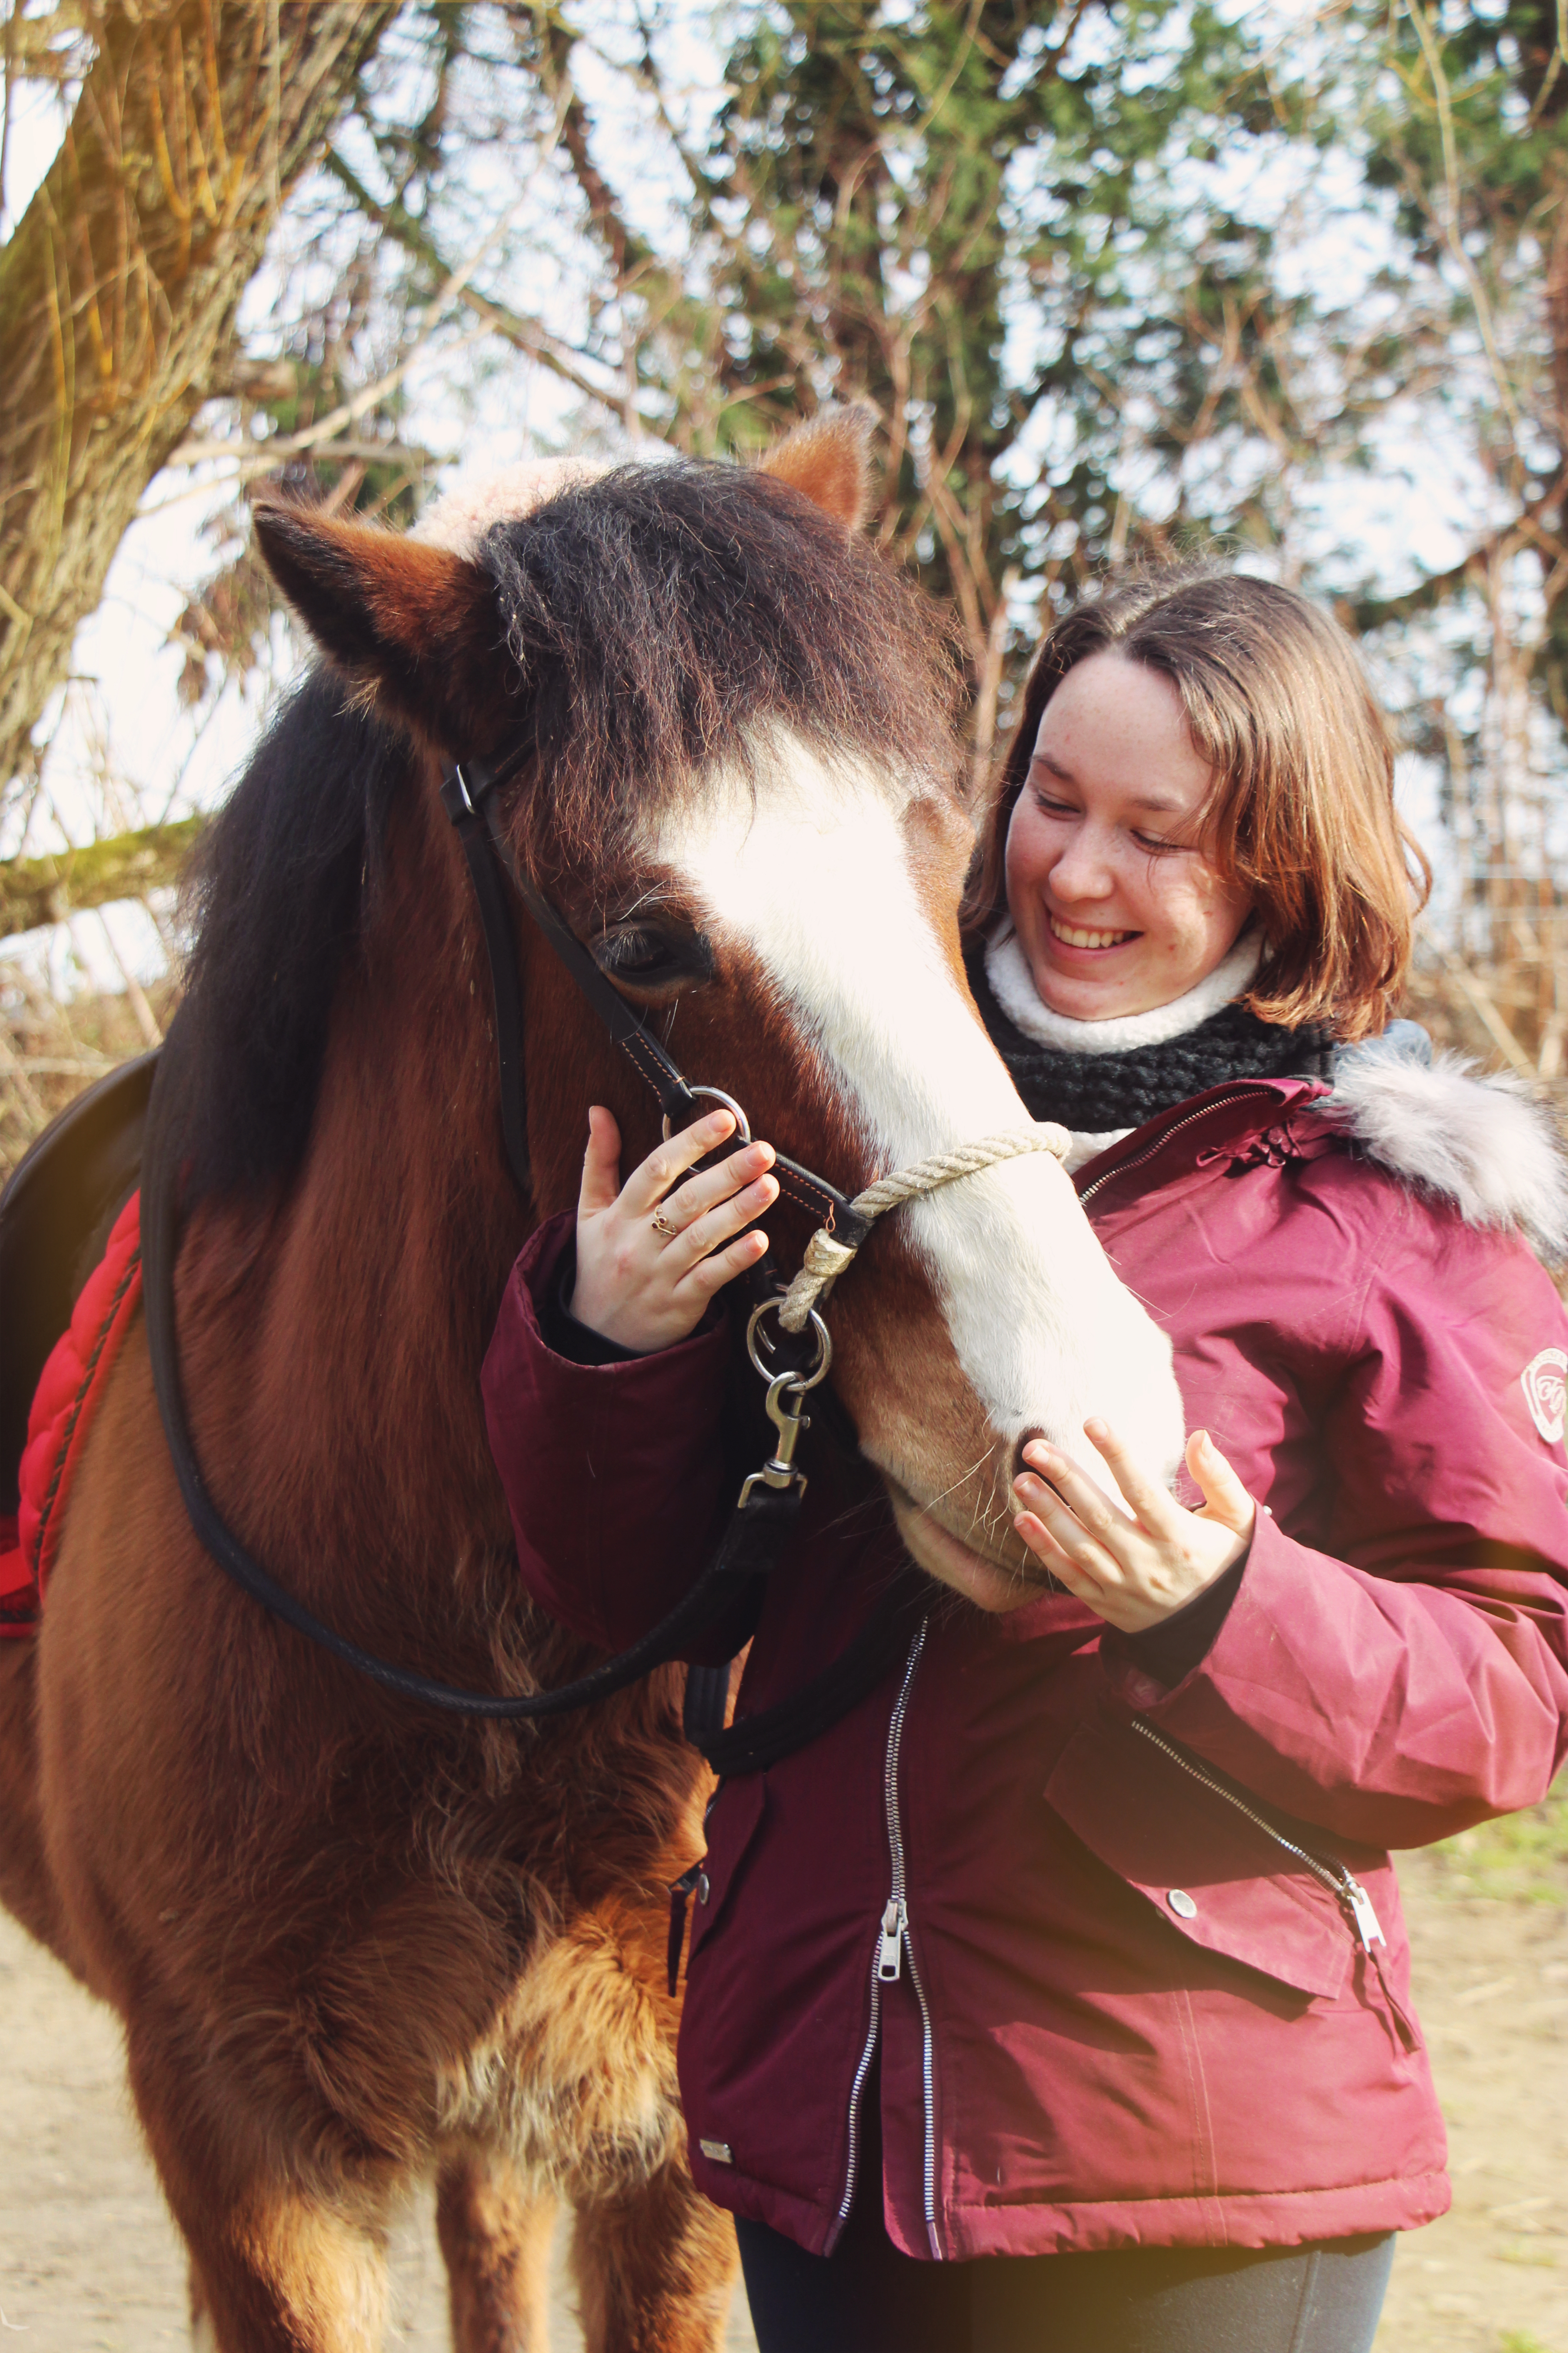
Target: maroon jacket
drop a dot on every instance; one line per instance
(1127, 2007)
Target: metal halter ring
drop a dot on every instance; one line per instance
(718, 1094)
(800, 1381)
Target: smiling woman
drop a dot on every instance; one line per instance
(1058, 1995)
(1110, 879)
(1200, 712)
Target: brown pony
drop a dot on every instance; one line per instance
(355, 1943)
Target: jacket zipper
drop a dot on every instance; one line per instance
(1165, 1134)
(1354, 1899)
(893, 1942)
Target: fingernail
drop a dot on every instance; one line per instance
(1095, 1427)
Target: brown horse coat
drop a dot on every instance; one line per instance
(352, 1942)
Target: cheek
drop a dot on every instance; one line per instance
(1200, 906)
(1027, 858)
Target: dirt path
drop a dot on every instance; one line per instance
(90, 2262)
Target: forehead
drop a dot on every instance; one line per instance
(1116, 728)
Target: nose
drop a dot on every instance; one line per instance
(1085, 868)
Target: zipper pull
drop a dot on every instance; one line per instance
(891, 1951)
(680, 1897)
(1359, 1903)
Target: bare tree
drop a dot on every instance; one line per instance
(120, 288)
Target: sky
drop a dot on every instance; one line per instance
(123, 717)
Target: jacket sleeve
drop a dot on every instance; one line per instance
(1410, 1677)
(616, 1474)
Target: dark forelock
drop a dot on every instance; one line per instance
(666, 616)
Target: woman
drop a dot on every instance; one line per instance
(1058, 1997)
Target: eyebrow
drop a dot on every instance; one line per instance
(1153, 802)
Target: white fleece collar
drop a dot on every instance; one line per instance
(1013, 987)
(1475, 1140)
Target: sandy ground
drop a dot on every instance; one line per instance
(88, 2258)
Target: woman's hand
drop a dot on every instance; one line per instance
(646, 1285)
(1131, 1571)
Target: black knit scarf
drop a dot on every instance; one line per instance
(1091, 1092)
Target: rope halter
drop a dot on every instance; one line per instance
(827, 1258)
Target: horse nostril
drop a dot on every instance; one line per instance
(1028, 1439)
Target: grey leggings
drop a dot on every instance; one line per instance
(866, 2297)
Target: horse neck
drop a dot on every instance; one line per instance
(343, 1333)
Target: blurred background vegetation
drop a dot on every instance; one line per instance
(1122, 277)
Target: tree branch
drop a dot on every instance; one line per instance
(35, 891)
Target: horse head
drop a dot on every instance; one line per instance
(741, 791)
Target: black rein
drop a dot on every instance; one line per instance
(762, 1522)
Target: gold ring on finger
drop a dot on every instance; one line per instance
(661, 1225)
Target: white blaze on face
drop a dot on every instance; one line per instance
(813, 880)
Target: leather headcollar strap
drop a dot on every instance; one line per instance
(466, 795)
(731, 1587)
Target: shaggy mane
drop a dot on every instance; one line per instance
(664, 622)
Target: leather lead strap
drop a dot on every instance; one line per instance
(733, 1582)
(751, 1543)
(753, 1743)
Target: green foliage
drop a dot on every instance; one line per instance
(1120, 276)
(980, 215)
(1457, 119)
(966, 198)
(1519, 1858)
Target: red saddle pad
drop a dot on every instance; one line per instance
(63, 1404)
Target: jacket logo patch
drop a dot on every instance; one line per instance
(1544, 1381)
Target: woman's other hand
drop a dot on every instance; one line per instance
(646, 1285)
(1137, 1567)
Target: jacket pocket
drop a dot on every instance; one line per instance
(732, 1828)
(1211, 1869)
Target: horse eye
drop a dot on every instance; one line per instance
(647, 957)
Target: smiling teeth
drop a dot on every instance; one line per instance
(1073, 938)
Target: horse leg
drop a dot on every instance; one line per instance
(281, 2274)
(495, 2236)
(655, 2268)
(273, 2270)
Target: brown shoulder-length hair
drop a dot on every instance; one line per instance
(1302, 817)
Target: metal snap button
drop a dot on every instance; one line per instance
(1182, 1903)
(702, 1889)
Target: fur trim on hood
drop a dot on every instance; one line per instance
(1480, 1141)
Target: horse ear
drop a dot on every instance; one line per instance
(407, 621)
(829, 459)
